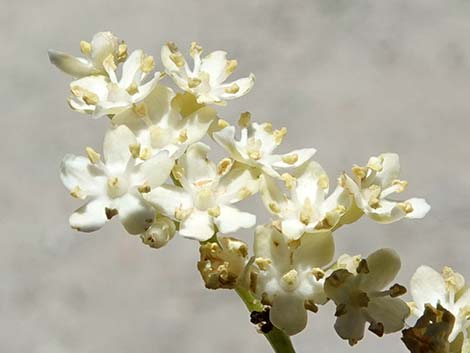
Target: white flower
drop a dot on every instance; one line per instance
(256, 145)
(114, 186)
(373, 184)
(448, 289)
(101, 46)
(206, 79)
(165, 121)
(290, 279)
(159, 233)
(359, 297)
(101, 95)
(205, 197)
(308, 210)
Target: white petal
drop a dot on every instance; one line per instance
(384, 265)
(94, 84)
(315, 250)
(78, 171)
(116, 148)
(390, 170)
(196, 166)
(71, 65)
(167, 198)
(420, 208)
(215, 65)
(288, 313)
(272, 195)
(303, 155)
(293, 228)
(427, 287)
(131, 69)
(271, 244)
(244, 86)
(231, 219)
(89, 217)
(198, 226)
(307, 183)
(226, 139)
(155, 171)
(135, 214)
(238, 184)
(102, 45)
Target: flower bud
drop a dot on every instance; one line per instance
(223, 263)
(159, 233)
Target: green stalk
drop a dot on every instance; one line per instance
(279, 341)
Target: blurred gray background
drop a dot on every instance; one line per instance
(352, 78)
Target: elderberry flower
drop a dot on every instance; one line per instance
(256, 145)
(101, 46)
(374, 183)
(308, 210)
(206, 80)
(206, 194)
(114, 186)
(289, 276)
(360, 298)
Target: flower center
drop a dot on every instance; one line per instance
(204, 199)
(290, 281)
(117, 186)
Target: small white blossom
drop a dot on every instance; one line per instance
(206, 194)
(256, 145)
(160, 232)
(101, 46)
(448, 289)
(308, 210)
(165, 121)
(206, 80)
(359, 297)
(374, 183)
(290, 278)
(101, 95)
(114, 186)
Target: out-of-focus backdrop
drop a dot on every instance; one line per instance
(350, 78)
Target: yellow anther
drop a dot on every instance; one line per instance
(132, 89)
(214, 211)
(318, 273)
(323, 182)
(145, 153)
(77, 193)
(244, 192)
(375, 163)
(263, 263)
(222, 124)
(406, 207)
(359, 172)
(290, 159)
(289, 180)
(194, 82)
(279, 135)
(342, 180)
(231, 66)
(454, 280)
(274, 207)
(92, 155)
(121, 54)
(402, 184)
(233, 89)
(110, 212)
(140, 109)
(145, 188)
(113, 184)
(177, 59)
(183, 136)
(172, 46)
(397, 290)
(307, 212)
(224, 166)
(181, 214)
(195, 49)
(134, 149)
(90, 98)
(255, 155)
(178, 172)
(109, 63)
(147, 64)
(290, 278)
(245, 119)
(268, 127)
(340, 209)
(85, 47)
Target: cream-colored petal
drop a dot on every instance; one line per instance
(384, 265)
(167, 199)
(350, 326)
(135, 214)
(154, 171)
(315, 250)
(271, 244)
(89, 217)
(116, 148)
(196, 167)
(71, 65)
(390, 312)
(272, 195)
(198, 226)
(390, 170)
(231, 219)
(288, 313)
(78, 171)
(301, 156)
(420, 208)
(238, 184)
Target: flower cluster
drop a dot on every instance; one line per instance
(156, 176)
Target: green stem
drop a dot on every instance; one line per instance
(280, 342)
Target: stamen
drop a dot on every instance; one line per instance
(214, 211)
(85, 47)
(195, 49)
(290, 159)
(233, 89)
(279, 135)
(245, 119)
(93, 156)
(147, 64)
